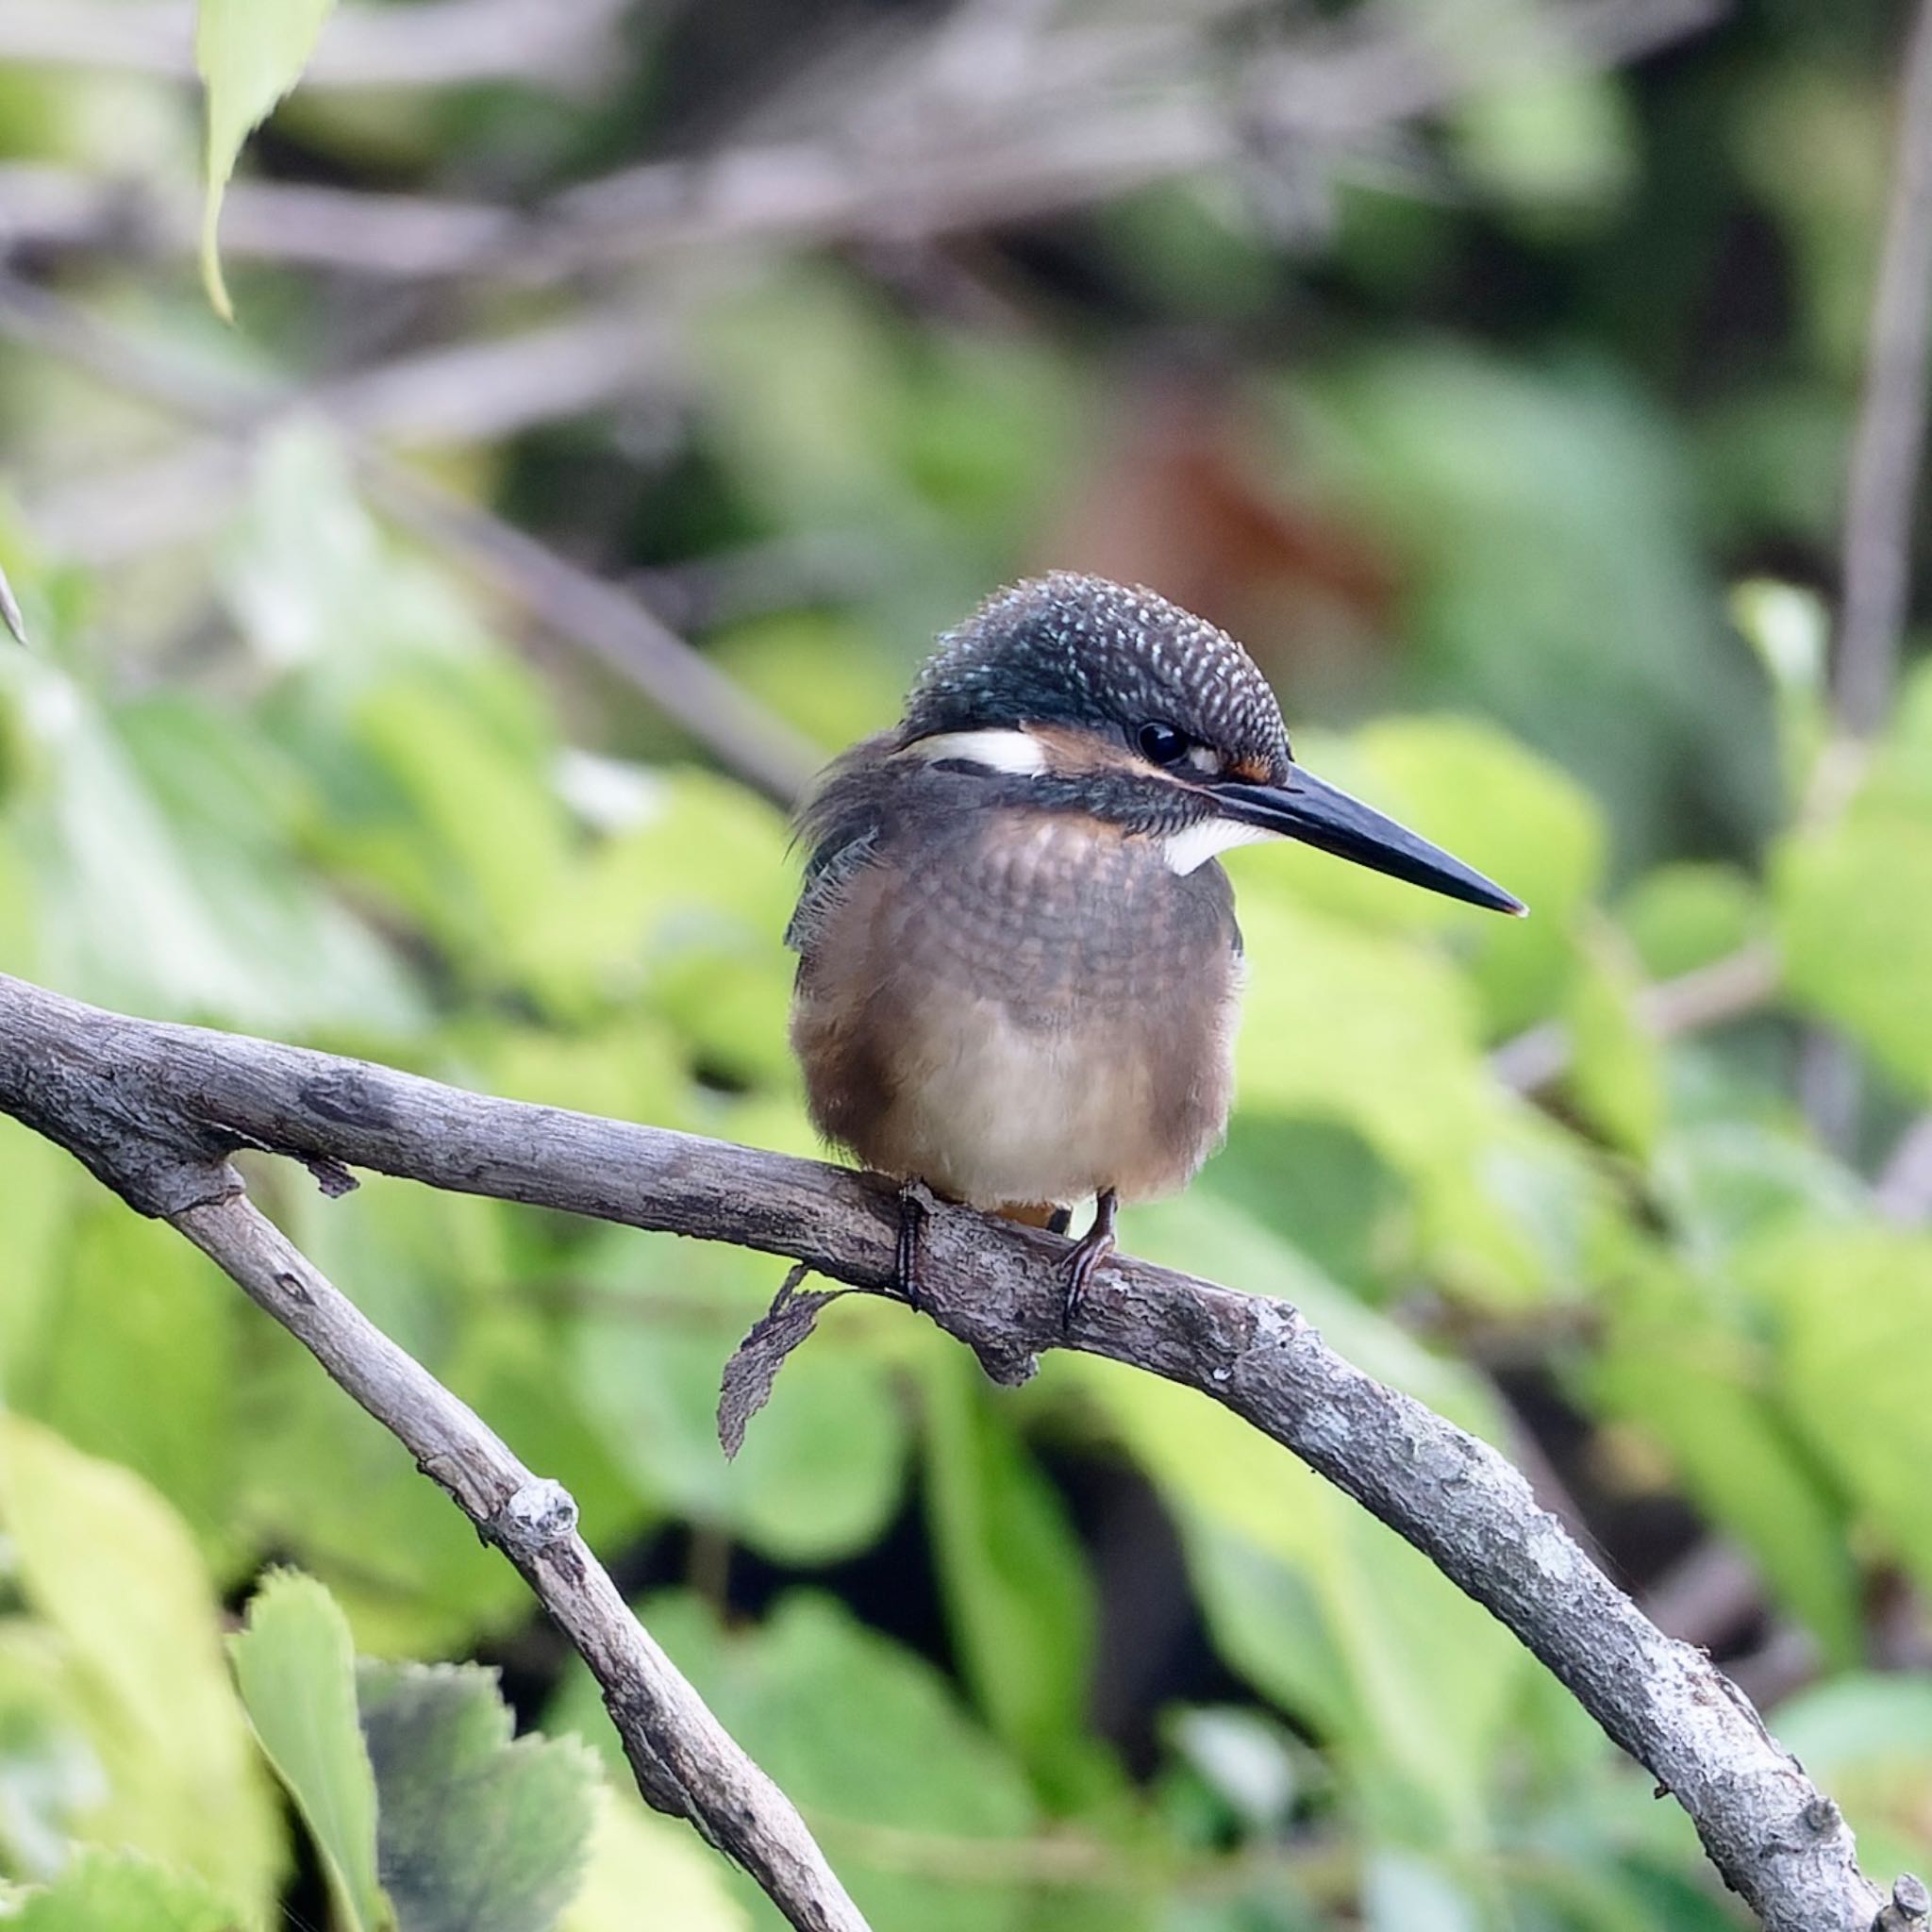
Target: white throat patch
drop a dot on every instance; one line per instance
(1191, 847)
(1018, 754)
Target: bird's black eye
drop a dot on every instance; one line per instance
(1160, 744)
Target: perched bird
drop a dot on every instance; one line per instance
(1019, 967)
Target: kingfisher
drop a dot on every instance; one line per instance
(1019, 970)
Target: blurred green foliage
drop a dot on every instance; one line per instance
(1474, 472)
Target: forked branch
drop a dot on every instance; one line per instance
(154, 1111)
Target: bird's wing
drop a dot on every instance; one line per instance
(840, 827)
(827, 874)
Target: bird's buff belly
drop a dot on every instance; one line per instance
(992, 1110)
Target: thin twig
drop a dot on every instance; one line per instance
(684, 1762)
(1903, 1191)
(1881, 491)
(465, 392)
(1882, 486)
(555, 593)
(1728, 988)
(606, 620)
(433, 43)
(155, 1109)
(1105, 111)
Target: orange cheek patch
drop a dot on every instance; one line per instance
(1071, 752)
(1254, 771)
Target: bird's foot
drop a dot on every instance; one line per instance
(907, 1251)
(1092, 1248)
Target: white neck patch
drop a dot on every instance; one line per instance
(1192, 847)
(1018, 754)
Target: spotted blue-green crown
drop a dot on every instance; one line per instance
(1082, 651)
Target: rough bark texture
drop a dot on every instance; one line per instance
(129, 1129)
(154, 1109)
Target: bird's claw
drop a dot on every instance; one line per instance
(1092, 1248)
(906, 1250)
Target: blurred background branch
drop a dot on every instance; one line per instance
(1887, 445)
(444, 43)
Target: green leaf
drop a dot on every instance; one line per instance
(120, 1891)
(162, 852)
(1789, 628)
(1854, 1354)
(1867, 1738)
(330, 1486)
(1850, 898)
(638, 1855)
(325, 1484)
(52, 1777)
(1616, 1070)
(250, 53)
(1676, 1369)
(38, 1185)
(106, 1564)
(1556, 141)
(297, 1666)
(1018, 1598)
(1491, 801)
(1380, 1033)
(1326, 1609)
(1551, 574)
(1727, 1181)
(699, 891)
(1321, 1188)
(821, 1471)
(914, 1803)
(819, 670)
(327, 603)
(1851, 902)
(480, 1831)
(138, 1365)
(1680, 917)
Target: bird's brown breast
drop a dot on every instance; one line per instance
(1022, 1006)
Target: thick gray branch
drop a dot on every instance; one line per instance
(148, 1107)
(685, 1761)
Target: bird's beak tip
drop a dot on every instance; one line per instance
(1318, 814)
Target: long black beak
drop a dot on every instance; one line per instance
(1318, 814)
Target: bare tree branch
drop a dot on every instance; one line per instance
(684, 1762)
(607, 622)
(1903, 1190)
(154, 1110)
(1882, 486)
(435, 45)
(748, 739)
(1881, 491)
(467, 392)
(1728, 988)
(889, 157)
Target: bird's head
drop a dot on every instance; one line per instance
(1115, 701)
